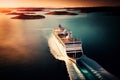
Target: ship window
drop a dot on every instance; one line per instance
(72, 55)
(73, 50)
(75, 55)
(73, 43)
(62, 35)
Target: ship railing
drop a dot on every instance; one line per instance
(73, 45)
(59, 39)
(76, 48)
(73, 42)
(73, 51)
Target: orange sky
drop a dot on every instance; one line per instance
(58, 3)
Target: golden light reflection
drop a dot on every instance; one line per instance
(13, 46)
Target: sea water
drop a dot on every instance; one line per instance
(24, 51)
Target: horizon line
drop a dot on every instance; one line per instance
(59, 7)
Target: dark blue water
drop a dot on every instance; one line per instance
(24, 51)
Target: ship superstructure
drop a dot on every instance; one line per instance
(68, 46)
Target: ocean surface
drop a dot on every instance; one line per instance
(25, 54)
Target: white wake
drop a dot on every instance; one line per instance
(75, 72)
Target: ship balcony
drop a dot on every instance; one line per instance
(74, 51)
(73, 48)
(73, 45)
(74, 54)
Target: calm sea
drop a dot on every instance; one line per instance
(25, 54)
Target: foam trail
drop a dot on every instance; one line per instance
(74, 71)
(96, 69)
(54, 50)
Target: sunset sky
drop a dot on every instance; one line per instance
(58, 3)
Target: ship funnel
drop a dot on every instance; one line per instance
(69, 35)
(60, 26)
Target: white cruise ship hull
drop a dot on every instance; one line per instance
(66, 45)
(60, 47)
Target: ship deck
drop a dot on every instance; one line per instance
(69, 40)
(64, 39)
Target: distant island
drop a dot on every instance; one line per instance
(95, 9)
(68, 10)
(30, 9)
(24, 16)
(61, 13)
(19, 13)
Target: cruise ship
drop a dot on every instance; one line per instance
(68, 46)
